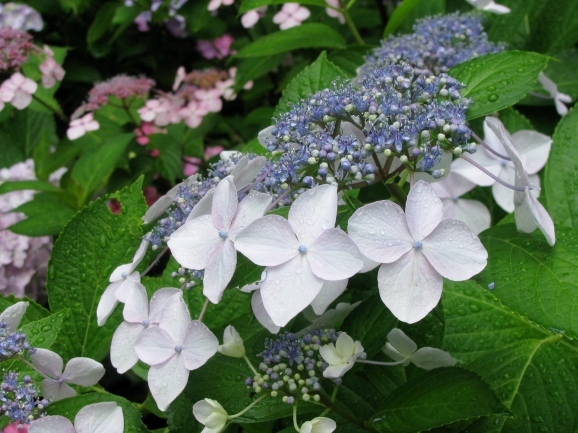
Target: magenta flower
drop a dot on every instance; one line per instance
(291, 15)
(217, 49)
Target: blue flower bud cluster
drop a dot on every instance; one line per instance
(19, 400)
(292, 367)
(397, 110)
(13, 343)
(438, 43)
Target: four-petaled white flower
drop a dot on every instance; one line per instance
(291, 15)
(208, 242)
(172, 349)
(18, 90)
(529, 212)
(534, 146)
(211, 414)
(138, 317)
(318, 425)
(78, 371)
(559, 97)
(489, 6)
(472, 212)
(232, 343)
(332, 12)
(340, 356)
(300, 253)
(79, 127)
(12, 315)
(403, 349)
(106, 417)
(416, 250)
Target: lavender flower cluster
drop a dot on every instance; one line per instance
(13, 343)
(292, 367)
(19, 399)
(438, 43)
(397, 110)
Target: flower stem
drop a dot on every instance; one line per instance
(333, 396)
(155, 261)
(56, 111)
(351, 25)
(387, 364)
(202, 313)
(343, 412)
(295, 417)
(493, 176)
(250, 365)
(35, 369)
(247, 408)
(487, 146)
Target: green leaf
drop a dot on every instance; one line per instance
(514, 121)
(555, 28)
(350, 59)
(424, 8)
(437, 398)
(42, 333)
(102, 22)
(531, 370)
(318, 76)
(246, 272)
(561, 183)
(511, 28)
(46, 214)
(370, 323)
(36, 185)
(497, 81)
(532, 278)
(312, 35)
(248, 5)
(168, 163)
(33, 312)
(69, 407)
(27, 129)
(253, 68)
(94, 168)
(93, 243)
(399, 15)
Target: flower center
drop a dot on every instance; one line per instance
(504, 163)
(145, 323)
(455, 198)
(417, 245)
(302, 249)
(223, 234)
(178, 349)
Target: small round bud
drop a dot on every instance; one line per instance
(458, 151)
(441, 137)
(403, 159)
(387, 152)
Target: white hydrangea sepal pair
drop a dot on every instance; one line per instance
(13, 315)
(106, 417)
(300, 253)
(560, 99)
(341, 356)
(489, 6)
(173, 348)
(211, 414)
(78, 371)
(416, 250)
(209, 241)
(403, 349)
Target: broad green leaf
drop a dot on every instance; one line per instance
(251, 69)
(46, 214)
(93, 243)
(514, 121)
(511, 28)
(248, 5)
(246, 272)
(168, 163)
(436, 398)
(94, 168)
(42, 333)
(370, 323)
(312, 35)
(424, 8)
(532, 278)
(561, 176)
(531, 370)
(69, 407)
(399, 15)
(497, 81)
(27, 129)
(318, 76)
(555, 28)
(350, 59)
(48, 158)
(102, 22)
(36, 185)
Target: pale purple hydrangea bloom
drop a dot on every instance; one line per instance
(20, 17)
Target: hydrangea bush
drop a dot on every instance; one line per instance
(262, 216)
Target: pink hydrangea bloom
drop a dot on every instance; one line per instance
(121, 86)
(291, 15)
(51, 70)
(216, 4)
(162, 111)
(216, 49)
(209, 100)
(332, 12)
(79, 127)
(18, 90)
(15, 428)
(191, 164)
(15, 47)
(249, 19)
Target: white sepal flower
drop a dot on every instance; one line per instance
(529, 212)
(115, 292)
(402, 348)
(319, 425)
(78, 371)
(489, 6)
(472, 212)
(106, 417)
(138, 317)
(208, 242)
(79, 127)
(211, 414)
(340, 356)
(330, 291)
(18, 90)
(123, 271)
(232, 343)
(559, 98)
(12, 315)
(172, 349)
(416, 250)
(300, 253)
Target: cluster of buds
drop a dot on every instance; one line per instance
(13, 343)
(19, 400)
